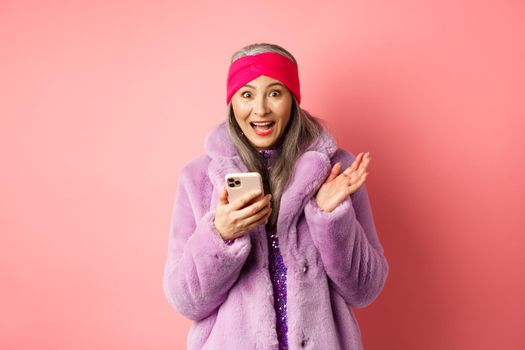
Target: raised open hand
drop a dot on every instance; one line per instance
(338, 186)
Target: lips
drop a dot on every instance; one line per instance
(262, 128)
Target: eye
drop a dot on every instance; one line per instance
(277, 93)
(246, 94)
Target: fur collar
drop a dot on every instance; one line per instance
(311, 169)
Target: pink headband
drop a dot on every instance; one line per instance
(271, 64)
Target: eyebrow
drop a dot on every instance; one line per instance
(272, 84)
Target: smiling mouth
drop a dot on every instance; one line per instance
(263, 128)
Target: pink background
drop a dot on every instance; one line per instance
(103, 102)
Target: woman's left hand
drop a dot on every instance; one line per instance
(337, 187)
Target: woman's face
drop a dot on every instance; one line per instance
(262, 109)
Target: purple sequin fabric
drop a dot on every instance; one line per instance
(277, 270)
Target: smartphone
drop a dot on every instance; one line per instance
(239, 184)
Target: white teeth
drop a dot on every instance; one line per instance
(262, 124)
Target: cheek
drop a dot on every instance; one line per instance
(242, 121)
(240, 112)
(284, 124)
(284, 114)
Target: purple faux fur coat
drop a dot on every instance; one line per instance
(335, 261)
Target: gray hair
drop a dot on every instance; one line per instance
(302, 131)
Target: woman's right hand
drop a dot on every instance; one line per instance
(234, 219)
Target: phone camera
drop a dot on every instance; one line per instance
(234, 182)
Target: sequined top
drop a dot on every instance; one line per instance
(277, 269)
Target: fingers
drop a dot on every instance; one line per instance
(355, 186)
(335, 171)
(253, 219)
(245, 200)
(360, 163)
(364, 164)
(223, 196)
(254, 208)
(354, 164)
(357, 173)
(344, 184)
(262, 220)
(258, 217)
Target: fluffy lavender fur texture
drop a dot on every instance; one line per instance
(335, 260)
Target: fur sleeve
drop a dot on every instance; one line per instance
(347, 242)
(200, 268)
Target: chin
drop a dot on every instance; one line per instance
(263, 145)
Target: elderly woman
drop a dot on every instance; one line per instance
(284, 268)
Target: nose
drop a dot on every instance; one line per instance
(261, 106)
